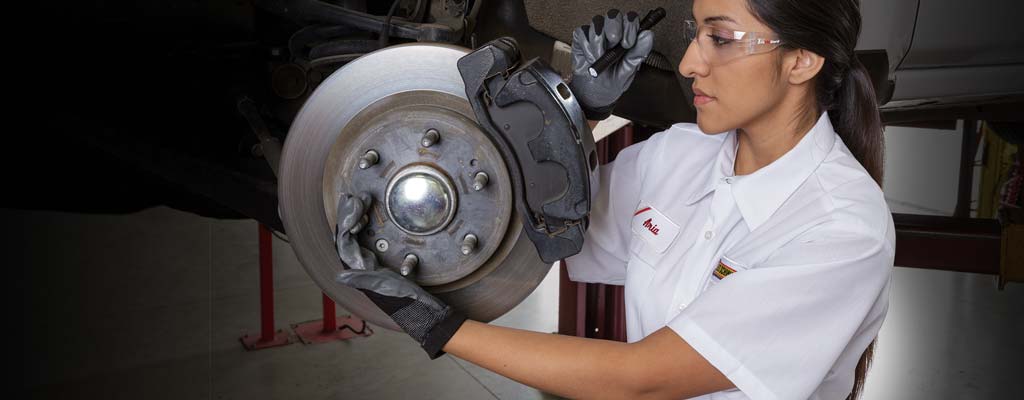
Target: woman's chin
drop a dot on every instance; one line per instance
(708, 126)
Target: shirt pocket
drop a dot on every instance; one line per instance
(644, 252)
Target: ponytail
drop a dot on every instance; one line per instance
(856, 118)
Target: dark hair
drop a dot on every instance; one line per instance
(843, 86)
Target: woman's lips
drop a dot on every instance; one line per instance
(701, 100)
(700, 97)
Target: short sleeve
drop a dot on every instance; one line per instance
(776, 329)
(604, 254)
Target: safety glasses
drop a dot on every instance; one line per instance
(718, 45)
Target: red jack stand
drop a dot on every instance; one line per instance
(327, 330)
(268, 337)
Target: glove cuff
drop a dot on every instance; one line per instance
(441, 333)
(598, 113)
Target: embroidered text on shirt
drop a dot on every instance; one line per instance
(651, 227)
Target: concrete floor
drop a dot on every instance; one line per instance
(151, 305)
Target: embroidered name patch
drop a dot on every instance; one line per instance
(654, 227)
(722, 270)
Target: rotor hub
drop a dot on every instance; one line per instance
(421, 200)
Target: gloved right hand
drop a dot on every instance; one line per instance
(598, 96)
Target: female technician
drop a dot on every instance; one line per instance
(755, 246)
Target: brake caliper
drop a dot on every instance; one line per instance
(541, 132)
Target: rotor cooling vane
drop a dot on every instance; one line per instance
(397, 124)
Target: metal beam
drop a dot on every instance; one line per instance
(948, 243)
(985, 109)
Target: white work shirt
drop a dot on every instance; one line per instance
(779, 278)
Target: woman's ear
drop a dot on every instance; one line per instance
(803, 65)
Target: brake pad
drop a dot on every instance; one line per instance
(541, 132)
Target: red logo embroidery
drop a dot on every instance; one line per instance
(651, 227)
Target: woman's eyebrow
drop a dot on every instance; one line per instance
(719, 18)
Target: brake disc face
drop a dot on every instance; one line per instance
(396, 123)
(426, 204)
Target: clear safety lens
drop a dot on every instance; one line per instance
(717, 45)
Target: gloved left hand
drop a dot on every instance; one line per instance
(428, 320)
(352, 217)
(597, 96)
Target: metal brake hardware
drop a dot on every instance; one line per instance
(543, 135)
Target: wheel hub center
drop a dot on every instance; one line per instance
(420, 200)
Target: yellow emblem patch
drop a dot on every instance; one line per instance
(722, 270)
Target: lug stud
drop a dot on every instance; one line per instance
(480, 181)
(369, 159)
(408, 264)
(430, 138)
(468, 243)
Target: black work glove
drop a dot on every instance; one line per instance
(352, 217)
(421, 315)
(597, 96)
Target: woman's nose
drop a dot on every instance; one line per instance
(692, 63)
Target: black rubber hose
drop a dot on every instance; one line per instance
(384, 32)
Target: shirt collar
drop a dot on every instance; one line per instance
(760, 193)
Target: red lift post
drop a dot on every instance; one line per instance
(319, 331)
(268, 337)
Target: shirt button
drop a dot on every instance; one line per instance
(708, 235)
(682, 306)
(728, 180)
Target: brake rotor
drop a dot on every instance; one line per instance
(396, 123)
